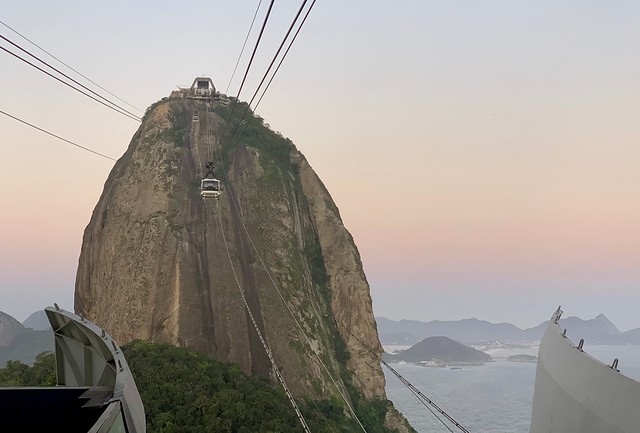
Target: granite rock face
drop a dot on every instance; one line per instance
(159, 263)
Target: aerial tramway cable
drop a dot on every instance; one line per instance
(284, 40)
(255, 48)
(425, 400)
(262, 340)
(68, 66)
(235, 101)
(113, 107)
(238, 134)
(284, 55)
(209, 137)
(57, 136)
(416, 392)
(346, 400)
(246, 231)
(243, 46)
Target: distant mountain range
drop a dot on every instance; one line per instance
(24, 341)
(37, 321)
(598, 330)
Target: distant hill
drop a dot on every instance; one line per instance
(26, 347)
(37, 321)
(441, 351)
(632, 336)
(598, 330)
(18, 343)
(9, 329)
(522, 358)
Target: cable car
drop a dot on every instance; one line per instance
(210, 188)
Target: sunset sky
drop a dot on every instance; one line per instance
(484, 155)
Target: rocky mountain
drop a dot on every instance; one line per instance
(9, 329)
(632, 336)
(598, 330)
(522, 358)
(160, 263)
(37, 321)
(439, 351)
(18, 343)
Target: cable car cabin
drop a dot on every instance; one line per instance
(196, 118)
(210, 188)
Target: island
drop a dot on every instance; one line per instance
(522, 358)
(440, 352)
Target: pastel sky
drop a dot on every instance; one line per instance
(484, 155)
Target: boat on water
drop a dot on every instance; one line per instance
(576, 393)
(95, 390)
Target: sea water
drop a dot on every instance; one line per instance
(492, 398)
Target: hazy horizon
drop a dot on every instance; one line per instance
(377, 316)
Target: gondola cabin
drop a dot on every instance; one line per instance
(210, 188)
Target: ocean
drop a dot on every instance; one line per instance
(492, 398)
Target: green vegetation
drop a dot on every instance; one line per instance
(185, 391)
(315, 260)
(180, 121)
(152, 107)
(370, 412)
(253, 132)
(42, 373)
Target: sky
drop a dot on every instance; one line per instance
(484, 155)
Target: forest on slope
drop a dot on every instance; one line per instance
(185, 391)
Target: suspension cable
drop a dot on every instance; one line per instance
(346, 400)
(344, 397)
(69, 78)
(284, 55)
(68, 66)
(423, 398)
(210, 138)
(57, 136)
(69, 85)
(246, 72)
(272, 62)
(406, 383)
(286, 304)
(275, 56)
(435, 415)
(238, 132)
(257, 329)
(243, 46)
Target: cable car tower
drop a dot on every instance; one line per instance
(210, 186)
